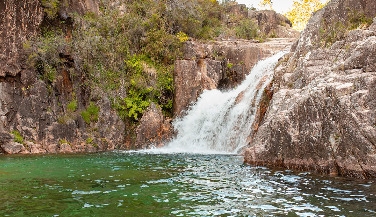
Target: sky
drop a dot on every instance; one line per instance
(281, 6)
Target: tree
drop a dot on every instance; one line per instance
(266, 4)
(301, 12)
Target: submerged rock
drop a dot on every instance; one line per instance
(322, 116)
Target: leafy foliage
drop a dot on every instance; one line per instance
(247, 29)
(266, 4)
(182, 36)
(301, 12)
(44, 54)
(128, 52)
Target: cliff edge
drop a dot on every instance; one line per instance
(322, 116)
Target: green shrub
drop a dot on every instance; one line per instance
(43, 54)
(91, 113)
(17, 136)
(49, 74)
(247, 29)
(358, 20)
(72, 106)
(51, 8)
(91, 142)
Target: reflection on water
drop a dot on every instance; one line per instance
(136, 184)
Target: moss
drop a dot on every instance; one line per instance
(72, 106)
(64, 141)
(89, 140)
(17, 136)
(91, 114)
(64, 119)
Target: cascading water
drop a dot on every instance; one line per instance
(220, 122)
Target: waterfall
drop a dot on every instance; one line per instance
(221, 121)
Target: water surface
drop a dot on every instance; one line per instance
(142, 184)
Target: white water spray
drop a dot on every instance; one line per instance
(220, 122)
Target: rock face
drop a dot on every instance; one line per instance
(38, 110)
(20, 21)
(154, 128)
(322, 116)
(270, 23)
(273, 24)
(220, 64)
(224, 64)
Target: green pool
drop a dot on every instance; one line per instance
(144, 184)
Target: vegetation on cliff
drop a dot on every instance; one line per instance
(300, 12)
(128, 48)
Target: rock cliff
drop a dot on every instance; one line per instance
(322, 116)
(48, 103)
(34, 114)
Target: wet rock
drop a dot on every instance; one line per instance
(52, 148)
(35, 148)
(65, 148)
(322, 115)
(154, 129)
(13, 148)
(220, 64)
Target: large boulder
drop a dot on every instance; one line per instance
(322, 115)
(154, 129)
(13, 148)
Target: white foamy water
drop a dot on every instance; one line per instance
(220, 122)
